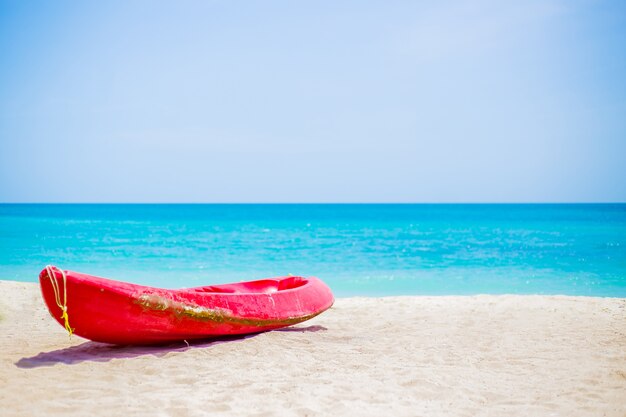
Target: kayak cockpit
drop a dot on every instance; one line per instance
(260, 286)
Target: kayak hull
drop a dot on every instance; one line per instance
(109, 311)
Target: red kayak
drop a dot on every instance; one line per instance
(117, 312)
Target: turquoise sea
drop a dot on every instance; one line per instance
(358, 249)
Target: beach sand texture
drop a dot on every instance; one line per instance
(413, 356)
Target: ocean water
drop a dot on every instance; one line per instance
(358, 249)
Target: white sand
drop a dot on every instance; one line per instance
(431, 356)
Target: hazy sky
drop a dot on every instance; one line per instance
(313, 101)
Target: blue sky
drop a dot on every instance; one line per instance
(313, 101)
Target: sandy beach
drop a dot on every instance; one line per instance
(448, 356)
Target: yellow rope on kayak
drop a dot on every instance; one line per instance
(57, 296)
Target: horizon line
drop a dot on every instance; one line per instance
(314, 203)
